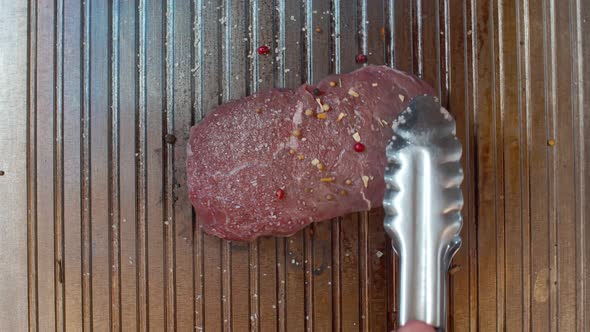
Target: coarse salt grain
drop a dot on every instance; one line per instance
(357, 137)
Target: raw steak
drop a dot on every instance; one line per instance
(272, 163)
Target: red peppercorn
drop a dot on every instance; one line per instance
(359, 147)
(263, 50)
(280, 194)
(360, 58)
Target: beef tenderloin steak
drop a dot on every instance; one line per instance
(276, 161)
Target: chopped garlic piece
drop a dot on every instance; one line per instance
(340, 116)
(315, 162)
(365, 180)
(326, 107)
(402, 97)
(328, 179)
(309, 112)
(332, 84)
(353, 93)
(322, 116)
(356, 136)
(374, 84)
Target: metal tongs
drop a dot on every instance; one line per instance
(422, 205)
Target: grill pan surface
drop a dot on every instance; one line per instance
(97, 100)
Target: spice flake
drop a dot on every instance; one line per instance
(365, 180)
(353, 93)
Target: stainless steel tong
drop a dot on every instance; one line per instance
(422, 205)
